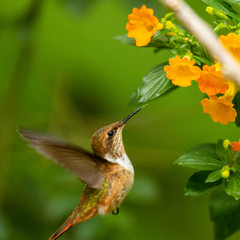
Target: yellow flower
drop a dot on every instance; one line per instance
(211, 81)
(142, 25)
(182, 71)
(232, 43)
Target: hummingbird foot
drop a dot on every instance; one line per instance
(115, 212)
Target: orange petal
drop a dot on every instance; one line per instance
(236, 146)
(219, 109)
(211, 81)
(142, 25)
(232, 43)
(182, 71)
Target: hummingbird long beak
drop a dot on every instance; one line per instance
(129, 116)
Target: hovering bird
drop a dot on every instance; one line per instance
(108, 172)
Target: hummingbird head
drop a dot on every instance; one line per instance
(107, 142)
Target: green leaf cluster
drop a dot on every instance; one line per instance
(225, 14)
(214, 162)
(219, 166)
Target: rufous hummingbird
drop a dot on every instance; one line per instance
(108, 172)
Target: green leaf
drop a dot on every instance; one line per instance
(199, 54)
(157, 41)
(202, 157)
(206, 148)
(160, 33)
(202, 60)
(231, 185)
(126, 40)
(225, 213)
(236, 102)
(224, 7)
(236, 157)
(214, 176)
(196, 184)
(234, 2)
(154, 84)
(224, 154)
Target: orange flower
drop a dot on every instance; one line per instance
(182, 71)
(211, 81)
(220, 109)
(142, 25)
(236, 146)
(232, 43)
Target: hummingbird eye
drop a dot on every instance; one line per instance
(111, 133)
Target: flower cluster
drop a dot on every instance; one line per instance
(220, 91)
(191, 61)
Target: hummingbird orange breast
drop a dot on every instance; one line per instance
(118, 182)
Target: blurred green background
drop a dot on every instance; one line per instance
(62, 72)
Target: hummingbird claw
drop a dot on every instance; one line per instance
(115, 212)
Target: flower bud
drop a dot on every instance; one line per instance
(225, 172)
(226, 143)
(209, 10)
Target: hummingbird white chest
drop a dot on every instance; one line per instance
(123, 161)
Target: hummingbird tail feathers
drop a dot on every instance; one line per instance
(74, 219)
(65, 227)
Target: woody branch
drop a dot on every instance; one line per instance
(206, 36)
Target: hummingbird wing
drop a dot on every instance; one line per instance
(83, 164)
